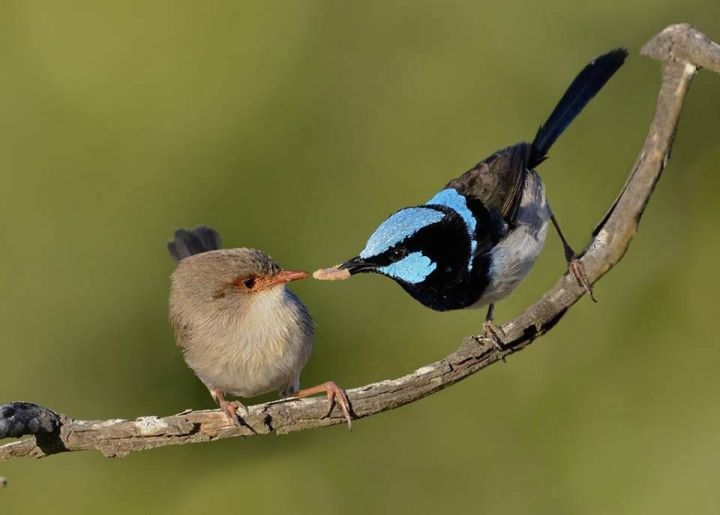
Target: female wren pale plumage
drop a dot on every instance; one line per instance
(239, 328)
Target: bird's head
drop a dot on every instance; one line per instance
(426, 249)
(228, 276)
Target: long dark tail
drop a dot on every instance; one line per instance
(188, 243)
(585, 86)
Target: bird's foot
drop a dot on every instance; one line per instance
(576, 268)
(231, 409)
(335, 395)
(493, 334)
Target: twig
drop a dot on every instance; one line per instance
(681, 48)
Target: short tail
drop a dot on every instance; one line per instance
(188, 243)
(585, 86)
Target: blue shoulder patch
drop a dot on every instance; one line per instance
(399, 227)
(455, 201)
(413, 268)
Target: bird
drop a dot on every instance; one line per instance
(474, 241)
(239, 328)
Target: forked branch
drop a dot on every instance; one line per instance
(681, 49)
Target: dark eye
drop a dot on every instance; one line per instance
(249, 283)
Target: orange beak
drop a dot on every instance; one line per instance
(284, 276)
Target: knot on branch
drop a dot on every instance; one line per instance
(25, 418)
(684, 43)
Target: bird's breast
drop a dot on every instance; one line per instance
(513, 256)
(258, 351)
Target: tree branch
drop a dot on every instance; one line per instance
(681, 49)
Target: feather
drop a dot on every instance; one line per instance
(188, 243)
(586, 85)
(209, 237)
(398, 227)
(413, 268)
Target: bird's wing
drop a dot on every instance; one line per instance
(485, 226)
(183, 332)
(497, 182)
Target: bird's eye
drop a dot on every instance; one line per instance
(249, 283)
(398, 254)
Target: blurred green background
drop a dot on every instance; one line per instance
(296, 127)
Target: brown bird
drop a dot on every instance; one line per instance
(240, 329)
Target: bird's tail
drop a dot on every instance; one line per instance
(585, 86)
(188, 243)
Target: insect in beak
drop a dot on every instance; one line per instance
(344, 270)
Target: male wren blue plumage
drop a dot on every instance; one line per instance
(473, 242)
(240, 330)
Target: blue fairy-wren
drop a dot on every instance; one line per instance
(239, 328)
(473, 242)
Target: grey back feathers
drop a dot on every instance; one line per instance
(497, 181)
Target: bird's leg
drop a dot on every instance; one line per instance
(226, 406)
(491, 332)
(334, 394)
(574, 264)
(230, 407)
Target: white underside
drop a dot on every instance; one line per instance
(513, 257)
(260, 351)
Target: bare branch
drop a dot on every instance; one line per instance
(681, 48)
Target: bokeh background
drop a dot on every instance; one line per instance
(296, 127)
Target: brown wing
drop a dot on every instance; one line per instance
(183, 331)
(497, 181)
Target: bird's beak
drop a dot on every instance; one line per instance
(357, 265)
(285, 276)
(344, 270)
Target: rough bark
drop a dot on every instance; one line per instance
(681, 49)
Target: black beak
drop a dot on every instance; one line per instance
(357, 265)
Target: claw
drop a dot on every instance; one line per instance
(574, 265)
(494, 334)
(230, 411)
(231, 408)
(239, 406)
(335, 395)
(578, 270)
